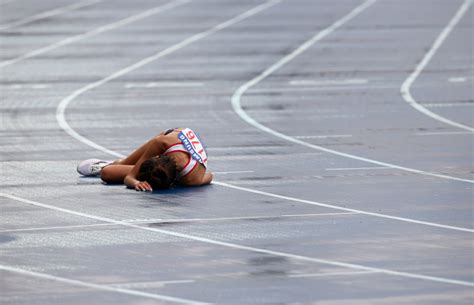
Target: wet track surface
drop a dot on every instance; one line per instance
(330, 187)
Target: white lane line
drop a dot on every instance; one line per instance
(331, 82)
(99, 30)
(60, 110)
(32, 86)
(184, 220)
(233, 172)
(324, 136)
(405, 88)
(438, 105)
(99, 286)
(163, 85)
(317, 89)
(356, 168)
(49, 14)
(156, 284)
(237, 96)
(436, 133)
(246, 248)
(457, 79)
(60, 114)
(335, 207)
(331, 274)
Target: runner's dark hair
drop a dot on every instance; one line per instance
(160, 172)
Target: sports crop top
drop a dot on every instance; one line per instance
(192, 145)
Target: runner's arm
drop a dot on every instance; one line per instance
(156, 148)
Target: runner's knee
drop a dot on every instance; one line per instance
(107, 174)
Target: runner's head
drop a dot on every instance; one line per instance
(159, 172)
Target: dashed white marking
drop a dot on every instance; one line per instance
(242, 247)
(324, 136)
(233, 172)
(156, 284)
(94, 32)
(49, 14)
(30, 86)
(99, 286)
(356, 168)
(331, 82)
(60, 110)
(441, 105)
(236, 100)
(405, 89)
(436, 133)
(331, 274)
(163, 85)
(457, 79)
(326, 88)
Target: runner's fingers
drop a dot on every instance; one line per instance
(148, 186)
(143, 187)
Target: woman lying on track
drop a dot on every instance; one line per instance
(175, 156)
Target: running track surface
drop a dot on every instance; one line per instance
(340, 134)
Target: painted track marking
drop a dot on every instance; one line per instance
(442, 105)
(163, 85)
(49, 14)
(155, 284)
(330, 274)
(174, 220)
(102, 29)
(356, 168)
(245, 248)
(237, 96)
(331, 82)
(335, 207)
(457, 79)
(405, 89)
(60, 115)
(324, 136)
(60, 111)
(437, 133)
(233, 172)
(99, 286)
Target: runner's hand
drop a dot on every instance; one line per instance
(143, 186)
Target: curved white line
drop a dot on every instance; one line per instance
(99, 286)
(241, 247)
(61, 109)
(60, 115)
(405, 89)
(236, 100)
(102, 29)
(49, 14)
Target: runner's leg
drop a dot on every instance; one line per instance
(136, 155)
(115, 173)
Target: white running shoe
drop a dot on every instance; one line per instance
(92, 167)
